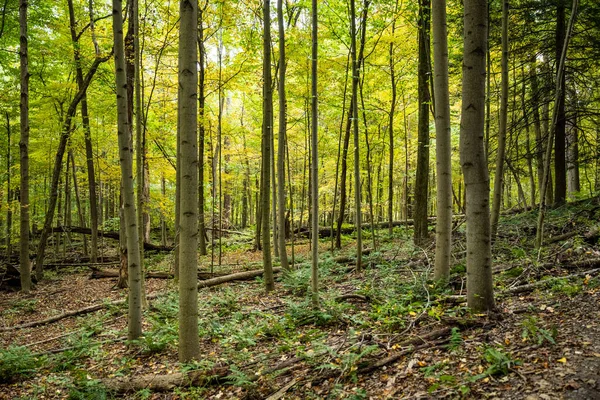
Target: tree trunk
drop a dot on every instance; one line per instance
(556, 114)
(78, 200)
(201, 131)
(189, 347)
(501, 155)
(392, 61)
(58, 164)
(281, 139)
(140, 148)
(573, 181)
(24, 263)
(443, 229)
(422, 180)
(480, 294)
(315, 164)
(126, 157)
(357, 186)
(267, 132)
(560, 167)
(8, 191)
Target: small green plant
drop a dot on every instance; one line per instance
(18, 362)
(297, 281)
(226, 303)
(455, 340)
(499, 363)
(88, 389)
(563, 286)
(531, 331)
(240, 378)
(514, 272)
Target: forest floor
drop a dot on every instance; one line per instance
(385, 332)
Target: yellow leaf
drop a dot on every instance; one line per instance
(562, 360)
(412, 313)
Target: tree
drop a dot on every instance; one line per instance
(201, 129)
(267, 132)
(392, 61)
(25, 267)
(560, 156)
(126, 161)
(556, 115)
(499, 176)
(480, 292)
(443, 227)
(422, 180)
(354, 111)
(315, 164)
(281, 140)
(189, 346)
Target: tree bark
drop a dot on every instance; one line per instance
(560, 166)
(201, 130)
(501, 155)
(126, 161)
(392, 61)
(443, 142)
(281, 140)
(480, 292)
(315, 162)
(25, 267)
(357, 190)
(422, 179)
(267, 132)
(189, 346)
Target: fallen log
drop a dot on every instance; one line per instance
(76, 264)
(239, 276)
(165, 383)
(535, 285)
(109, 235)
(103, 273)
(80, 311)
(527, 288)
(347, 259)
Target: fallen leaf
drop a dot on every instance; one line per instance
(562, 360)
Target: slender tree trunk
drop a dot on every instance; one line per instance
(281, 139)
(357, 190)
(140, 149)
(267, 132)
(8, 190)
(443, 227)
(163, 221)
(480, 290)
(500, 158)
(529, 155)
(560, 166)
(189, 346)
(201, 133)
(126, 161)
(574, 184)
(422, 180)
(392, 61)
(24, 263)
(78, 200)
(314, 164)
(58, 163)
(89, 151)
(556, 115)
